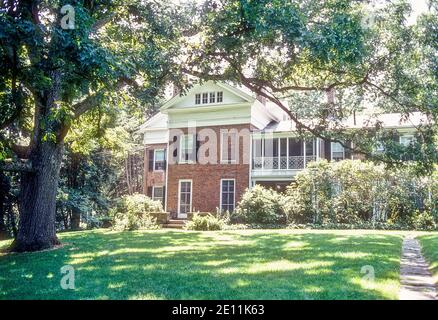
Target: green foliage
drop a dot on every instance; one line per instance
(424, 221)
(356, 192)
(205, 223)
(133, 212)
(260, 206)
(302, 50)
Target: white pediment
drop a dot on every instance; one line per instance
(230, 94)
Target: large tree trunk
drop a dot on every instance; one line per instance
(4, 190)
(36, 229)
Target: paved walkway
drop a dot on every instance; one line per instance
(416, 280)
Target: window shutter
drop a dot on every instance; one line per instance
(175, 150)
(347, 151)
(151, 160)
(149, 193)
(197, 145)
(164, 196)
(165, 158)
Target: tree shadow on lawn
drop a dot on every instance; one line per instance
(208, 265)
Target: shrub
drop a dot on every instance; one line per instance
(133, 212)
(260, 206)
(424, 221)
(205, 223)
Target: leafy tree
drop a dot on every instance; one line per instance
(330, 59)
(119, 52)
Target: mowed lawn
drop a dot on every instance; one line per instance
(429, 245)
(247, 264)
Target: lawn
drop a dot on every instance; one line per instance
(248, 264)
(429, 243)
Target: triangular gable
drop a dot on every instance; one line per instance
(231, 95)
(158, 121)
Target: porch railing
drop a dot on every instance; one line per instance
(281, 163)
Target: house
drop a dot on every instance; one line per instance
(205, 148)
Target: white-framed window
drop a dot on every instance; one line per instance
(212, 97)
(186, 146)
(337, 151)
(407, 139)
(198, 98)
(158, 194)
(220, 96)
(229, 145)
(184, 196)
(380, 148)
(205, 97)
(227, 194)
(159, 159)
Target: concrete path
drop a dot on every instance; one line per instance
(416, 280)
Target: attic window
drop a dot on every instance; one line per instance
(220, 96)
(212, 97)
(205, 97)
(209, 97)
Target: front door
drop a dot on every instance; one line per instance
(184, 198)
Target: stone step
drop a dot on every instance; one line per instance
(173, 225)
(176, 221)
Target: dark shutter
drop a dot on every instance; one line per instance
(165, 159)
(327, 149)
(197, 145)
(175, 150)
(164, 196)
(151, 160)
(348, 152)
(149, 193)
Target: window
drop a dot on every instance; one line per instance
(212, 97)
(338, 152)
(158, 194)
(406, 140)
(227, 195)
(186, 148)
(185, 197)
(220, 96)
(198, 98)
(159, 159)
(229, 147)
(205, 97)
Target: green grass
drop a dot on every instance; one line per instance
(429, 245)
(248, 264)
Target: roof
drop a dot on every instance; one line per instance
(387, 120)
(156, 122)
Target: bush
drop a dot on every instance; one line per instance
(205, 223)
(133, 212)
(260, 206)
(424, 221)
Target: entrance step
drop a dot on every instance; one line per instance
(174, 224)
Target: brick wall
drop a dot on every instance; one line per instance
(206, 177)
(153, 178)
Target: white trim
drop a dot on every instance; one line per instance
(153, 191)
(153, 168)
(236, 146)
(234, 192)
(182, 215)
(180, 153)
(167, 172)
(224, 86)
(331, 150)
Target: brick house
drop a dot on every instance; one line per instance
(205, 148)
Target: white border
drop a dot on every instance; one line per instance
(331, 151)
(182, 215)
(234, 192)
(155, 150)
